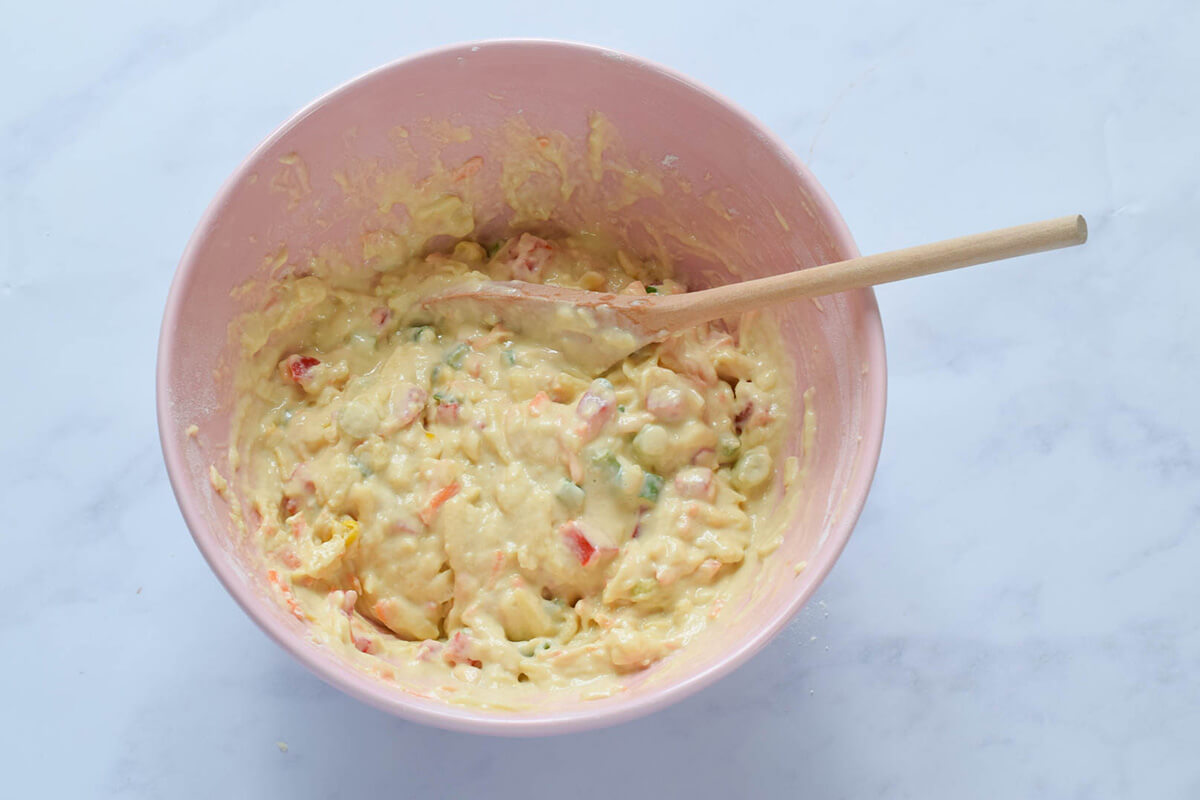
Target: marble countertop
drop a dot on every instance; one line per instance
(1018, 612)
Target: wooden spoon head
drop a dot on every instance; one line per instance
(594, 330)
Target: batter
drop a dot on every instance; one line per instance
(453, 502)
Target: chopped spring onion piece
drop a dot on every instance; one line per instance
(727, 448)
(643, 586)
(651, 487)
(456, 355)
(608, 464)
(569, 494)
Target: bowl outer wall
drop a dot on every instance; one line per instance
(466, 719)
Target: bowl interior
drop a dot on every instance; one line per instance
(684, 176)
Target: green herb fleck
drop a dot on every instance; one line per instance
(494, 248)
(509, 356)
(360, 466)
(423, 333)
(652, 290)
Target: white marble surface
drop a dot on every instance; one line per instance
(1018, 613)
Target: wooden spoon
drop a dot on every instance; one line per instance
(616, 325)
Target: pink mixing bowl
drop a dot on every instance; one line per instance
(732, 183)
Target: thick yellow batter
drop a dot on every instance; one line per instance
(456, 503)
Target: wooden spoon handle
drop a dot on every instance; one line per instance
(685, 310)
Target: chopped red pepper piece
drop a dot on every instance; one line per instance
(469, 168)
(530, 257)
(296, 367)
(449, 413)
(457, 651)
(290, 506)
(579, 544)
(587, 546)
(439, 499)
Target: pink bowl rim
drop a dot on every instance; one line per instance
(465, 719)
